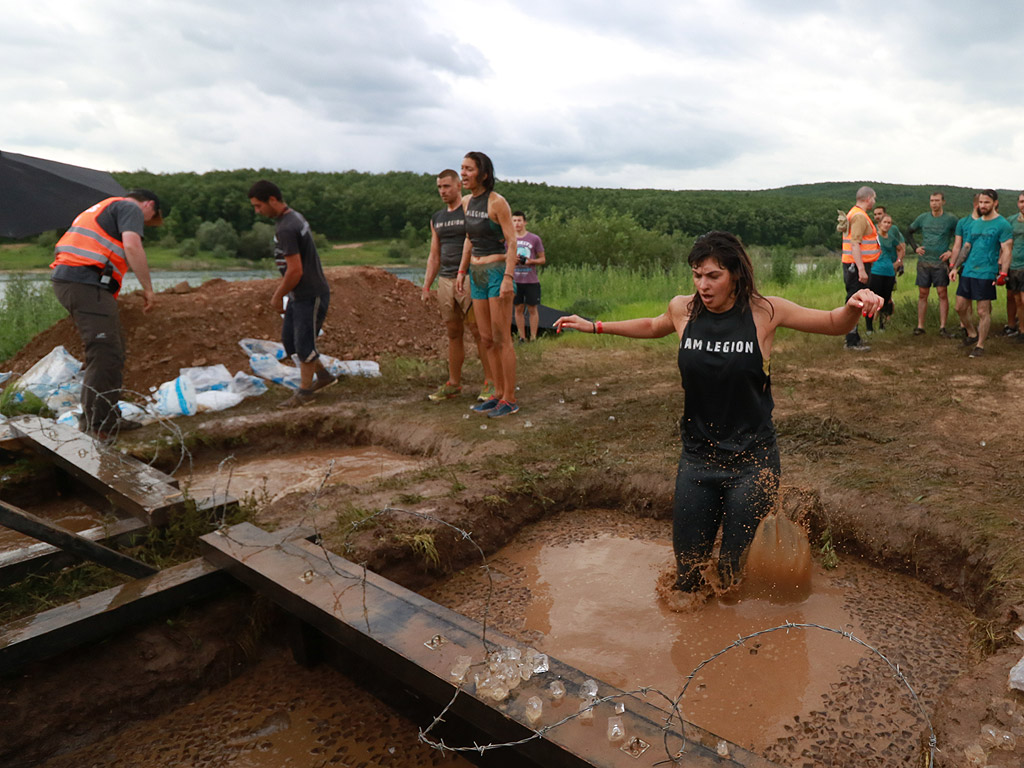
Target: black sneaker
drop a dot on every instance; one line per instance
(323, 380)
(946, 334)
(969, 340)
(919, 331)
(300, 398)
(977, 352)
(1008, 331)
(862, 347)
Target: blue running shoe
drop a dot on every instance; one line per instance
(504, 408)
(486, 405)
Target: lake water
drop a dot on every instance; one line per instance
(163, 279)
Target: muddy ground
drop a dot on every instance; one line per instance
(908, 456)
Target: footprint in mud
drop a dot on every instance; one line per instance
(272, 723)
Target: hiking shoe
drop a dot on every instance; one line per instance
(445, 392)
(486, 406)
(1008, 330)
(859, 347)
(504, 408)
(487, 393)
(300, 398)
(969, 340)
(1012, 332)
(977, 352)
(323, 380)
(920, 331)
(946, 334)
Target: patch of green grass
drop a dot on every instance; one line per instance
(410, 498)
(422, 543)
(15, 401)
(28, 307)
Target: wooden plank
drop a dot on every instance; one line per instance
(9, 440)
(97, 616)
(32, 525)
(15, 564)
(128, 484)
(391, 628)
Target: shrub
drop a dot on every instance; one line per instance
(188, 249)
(257, 243)
(211, 234)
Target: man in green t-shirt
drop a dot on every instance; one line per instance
(937, 229)
(1015, 282)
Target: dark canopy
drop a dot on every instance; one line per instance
(38, 195)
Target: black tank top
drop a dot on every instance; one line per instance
(486, 235)
(728, 407)
(450, 227)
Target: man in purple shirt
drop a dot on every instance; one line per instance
(531, 255)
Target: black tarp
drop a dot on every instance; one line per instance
(38, 195)
(547, 318)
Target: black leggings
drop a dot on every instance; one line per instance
(735, 494)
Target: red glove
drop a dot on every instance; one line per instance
(1001, 280)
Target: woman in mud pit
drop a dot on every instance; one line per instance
(729, 468)
(490, 257)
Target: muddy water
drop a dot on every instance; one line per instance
(276, 715)
(71, 515)
(277, 476)
(581, 587)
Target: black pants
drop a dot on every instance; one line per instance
(853, 284)
(733, 493)
(94, 312)
(882, 285)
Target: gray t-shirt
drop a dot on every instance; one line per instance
(450, 227)
(122, 216)
(293, 235)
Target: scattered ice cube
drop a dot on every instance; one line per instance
(589, 689)
(557, 689)
(586, 711)
(723, 748)
(460, 668)
(534, 708)
(616, 729)
(619, 708)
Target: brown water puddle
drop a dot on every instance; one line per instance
(275, 715)
(304, 471)
(71, 515)
(581, 587)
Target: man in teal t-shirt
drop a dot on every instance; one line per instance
(1015, 281)
(937, 229)
(986, 258)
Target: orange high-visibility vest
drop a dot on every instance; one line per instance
(86, 244)
(870, 246)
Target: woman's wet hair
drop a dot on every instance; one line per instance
(485, 169)
(726, 249)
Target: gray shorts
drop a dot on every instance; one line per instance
(1015, 282)
(929, 275)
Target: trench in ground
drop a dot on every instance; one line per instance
(579, 585)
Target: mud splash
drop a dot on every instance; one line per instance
(581, 587)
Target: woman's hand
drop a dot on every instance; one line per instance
(573, 323)
(866, 301)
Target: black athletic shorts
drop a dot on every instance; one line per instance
(975, 289)
(1015, 282)
(303, 319)
(527, 293)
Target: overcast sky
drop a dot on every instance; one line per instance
(678, 94)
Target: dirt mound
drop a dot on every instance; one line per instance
(372, 314)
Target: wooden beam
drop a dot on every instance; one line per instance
(393, 629)
(97, 616)
(31, 525)
(128, 484)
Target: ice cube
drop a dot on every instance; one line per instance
(534, 708)
(460, 668)
(586, 711)
(616, 729)
(589, 689)
(723, 748)
(557, 689)
(619, 708)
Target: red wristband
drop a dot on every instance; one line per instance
(600, 327)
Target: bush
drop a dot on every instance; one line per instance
(783, 267)
(28, 307)
(48, 240)
(188, 249)
(321, 242)
(210, 235)
(257, 243)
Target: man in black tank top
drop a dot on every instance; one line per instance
(447, 239)
(728, 475)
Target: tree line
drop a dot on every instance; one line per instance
(582, 224)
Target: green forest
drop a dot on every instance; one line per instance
(632, 227)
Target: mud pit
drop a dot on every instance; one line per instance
(581, 587)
